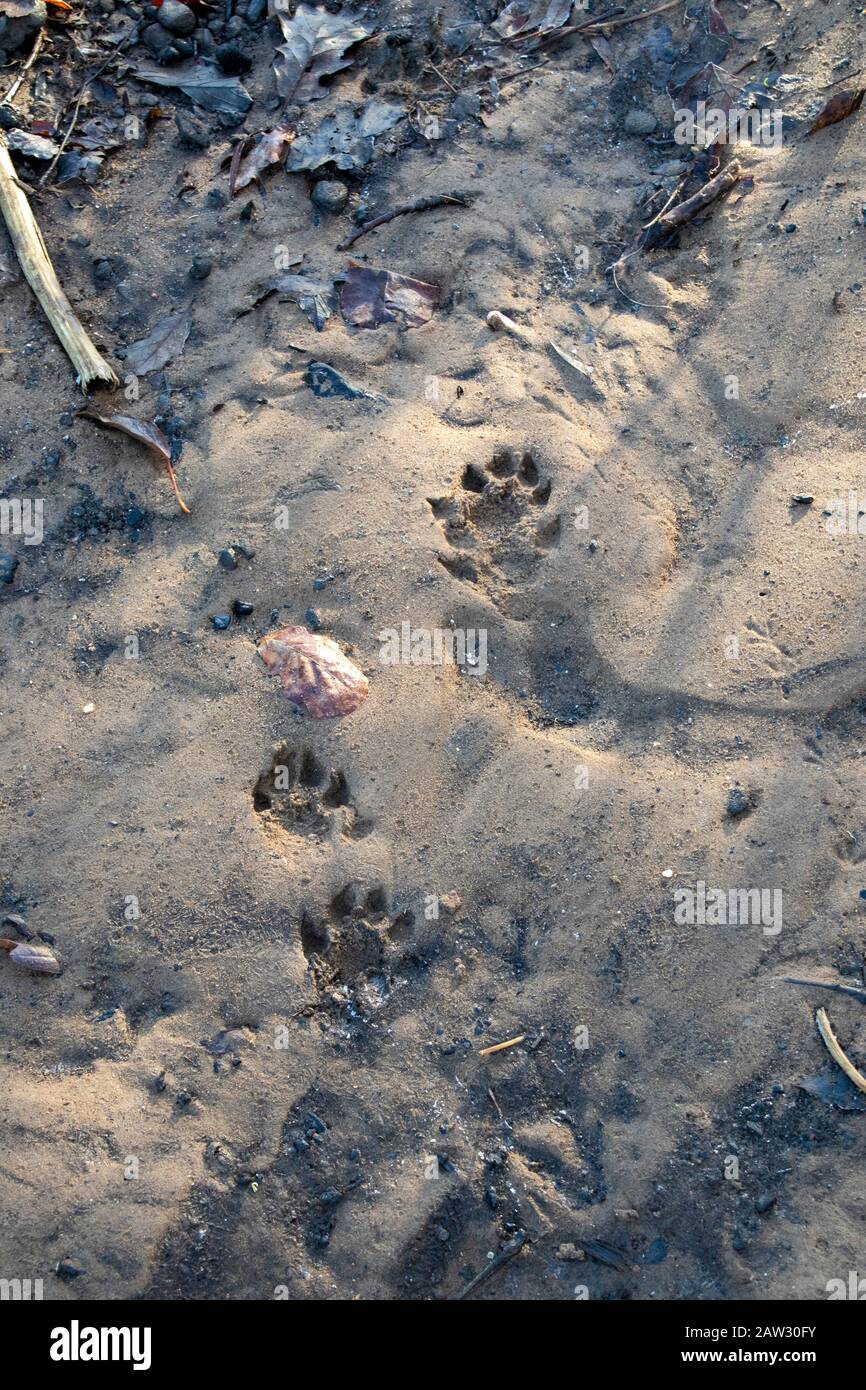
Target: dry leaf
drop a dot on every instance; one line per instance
(162, 344)
(315, 46)
(29, 957)
(532, 16)
(313, 672)
(268, 148)
(370, 297)
(148, 435)
(345, 138)
(203, 84)
(838, 108)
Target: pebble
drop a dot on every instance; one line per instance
(764, 1203)
(201, 268)
(232, 59)
(241, 609)
(221, 621)
(312, 619)
(227, 559)
(738, 802)
(330, 195)
(639, 122)
(8, 119)
(176, 18)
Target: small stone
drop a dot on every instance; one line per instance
(232, 59)
(201, 268)
(450, 903)
(192, 131)
(764, 1203)
(221, 621)
(241, 609)
(312, 619)
(8, 566)
(8, 119)
(227, 559)
(639, 122)
(738, 802)
(176, 18)
(330, 195)
(330, 1197)
(569, 1251)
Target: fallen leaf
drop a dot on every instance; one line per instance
(572, 361)
(203, 84)
(315, 298)
(36, 958)
(834, 1088)
(164, 342)
(370, 297)
(33, 146)
(313, 672)
(268, 148)
(603, 48)
(315, 47)
(345, 138)
(148, 435)
(838, 108)
(532, 16)
(325, 381)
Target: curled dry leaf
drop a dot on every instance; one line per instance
(29, 957)
(313, 672)
(148, 435)
(267, 149)
(370, 297)
(315, 46)
(532, 16)
(838, 108)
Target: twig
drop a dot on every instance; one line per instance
(854, 992)
(34, 54)
(628, 19)
(500, 1047)
(36, 263)
(85, 84)
(831, 1043)
(684, 212)
(420, 205)
(443, 78)
(506, 1253)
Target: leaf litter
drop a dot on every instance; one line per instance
(151, 436)
(315, 43)
(313, 672)
(372, 297)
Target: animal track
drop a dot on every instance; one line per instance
(353, 943)
(494, 522)
(295, 794)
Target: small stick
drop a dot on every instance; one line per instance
(831, 1043)
(36, 263)
(629, 19)
(494, 1102)
(34, 54)
(822, 984)
(443, 78)
(419, 205)
(499, 1047)
(684, 212)
(506, 1253)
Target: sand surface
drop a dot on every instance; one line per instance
(260, 1070)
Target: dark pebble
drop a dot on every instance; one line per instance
(738, 802)
(8, 566)
(192, 131)
(201, 268)
(312, 619)
(64, 1269)
(241, 609)
(221, 621)
(8, 119)
(232, 59)
(175, 17)
(18, 924)
(228, 560)
(764, 1203)
(330, 1197)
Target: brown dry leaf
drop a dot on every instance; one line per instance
(314, 47)
(268, 148)
(370, 297)
(532, 17)
(838, 108)
(313, 672)
(149, 435)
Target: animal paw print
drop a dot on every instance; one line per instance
(296, 795)
(353, 944)
(495, 523)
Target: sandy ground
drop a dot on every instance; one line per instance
(690, 632)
